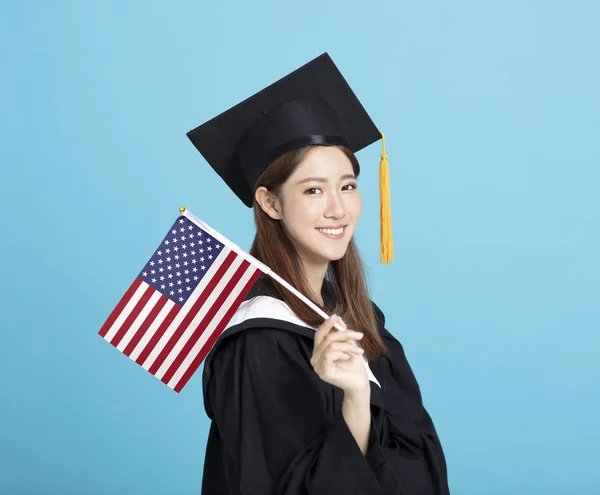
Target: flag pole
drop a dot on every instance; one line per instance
(265, 269)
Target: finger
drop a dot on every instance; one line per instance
(324, 340)
(324, 329)
(345, 347)
(344, 336)
(327, 366)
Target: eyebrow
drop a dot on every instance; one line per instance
(322, 179)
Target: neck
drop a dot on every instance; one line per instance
(315, 274)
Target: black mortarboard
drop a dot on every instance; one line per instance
(312, 105)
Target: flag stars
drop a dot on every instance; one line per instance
(210, 256)
(161, 269)
(209, 248)
(203, 267)
(160, 262)
(175, 240)
(183, 246)
(179, 291)
(188, 288)
(172, 293)
(194, 261)
(145, 273)
(169, 267)
(194, 269)
(159, 253)
(176, 249)
(218, 246)
(152, 263)
(182, 229)
(153, 280)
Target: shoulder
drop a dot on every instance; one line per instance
(262, 327)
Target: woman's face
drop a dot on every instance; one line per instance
(320, 205)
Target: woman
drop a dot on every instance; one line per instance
(294, 409)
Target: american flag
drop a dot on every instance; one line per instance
(181, 301)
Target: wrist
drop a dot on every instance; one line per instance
(358, 397)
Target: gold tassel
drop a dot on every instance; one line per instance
(385, 207)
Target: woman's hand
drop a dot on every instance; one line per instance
(336, 360)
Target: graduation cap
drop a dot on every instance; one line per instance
(313, 105)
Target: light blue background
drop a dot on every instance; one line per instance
(491, 112)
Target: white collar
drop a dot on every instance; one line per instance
(271, 307)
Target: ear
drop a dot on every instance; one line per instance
(269, 202)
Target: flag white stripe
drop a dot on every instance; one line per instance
(137, 323)
(204, 309)
(185, 309)
(148, 334)
(189, 359)
(137, 295)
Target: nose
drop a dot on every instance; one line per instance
(335, 206)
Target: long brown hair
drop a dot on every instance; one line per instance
(345, 277)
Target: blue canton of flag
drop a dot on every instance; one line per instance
(183, 258)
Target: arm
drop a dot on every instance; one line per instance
(356, 410)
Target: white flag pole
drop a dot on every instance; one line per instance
(265, 269)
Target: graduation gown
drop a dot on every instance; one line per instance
(277, 427)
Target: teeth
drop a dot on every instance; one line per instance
(332, 231)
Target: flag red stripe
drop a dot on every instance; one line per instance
(145, 325)
(201, 327)
(215, 278)
(139, 306)
(119, 307)
(159, 333)
(218, 331)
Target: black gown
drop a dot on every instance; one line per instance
(277, 427)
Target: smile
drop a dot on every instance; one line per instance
(333, 233)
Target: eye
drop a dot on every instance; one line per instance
(310, 191)
(352, 187)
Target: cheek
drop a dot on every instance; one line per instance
(354, 206)
(300, 214)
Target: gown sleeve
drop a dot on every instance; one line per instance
(278, 425)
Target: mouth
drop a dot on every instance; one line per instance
(333, 233)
